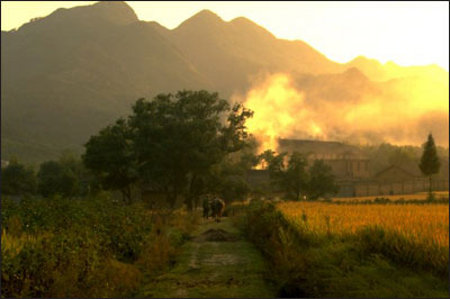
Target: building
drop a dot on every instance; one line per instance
(351, 169)
(348, 163)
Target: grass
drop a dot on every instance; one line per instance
(308, 263)
(213, 269)
(92, 247)
(427, 224)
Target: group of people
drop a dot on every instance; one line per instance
(213, 206)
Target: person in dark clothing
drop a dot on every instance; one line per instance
(206, 206)
(217, 208)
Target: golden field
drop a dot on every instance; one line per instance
(425, 223)
(415, 196)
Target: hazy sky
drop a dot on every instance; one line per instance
(408, 33)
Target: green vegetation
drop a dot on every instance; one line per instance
(369, 263)
(296, 179)
(174, 143)
(18, 179)
(95, 247)
(383, 155)
(429, 163)
(214, 269)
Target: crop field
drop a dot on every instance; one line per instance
(415, 196)
(426, 224)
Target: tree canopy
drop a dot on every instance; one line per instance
(429, 163)
(292, 174)
(18, 179)
(170, 143)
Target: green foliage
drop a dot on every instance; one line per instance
(71, 248)
(404, 250)
(18, 179)
(368, 263)
(54, 178)
(233, 189)
(179, 138)
(321, 180)
(170, 143)
(296, 179)
(110, 157)
(429, 163)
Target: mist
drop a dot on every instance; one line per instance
(402, 114)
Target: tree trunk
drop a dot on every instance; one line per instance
(429, 188)
(190, 195)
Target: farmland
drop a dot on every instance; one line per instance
(415, 196)
(427, 224)
(325, 249)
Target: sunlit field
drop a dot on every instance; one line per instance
(415, 196)
(426, 224)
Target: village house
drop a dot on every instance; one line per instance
(351, 169)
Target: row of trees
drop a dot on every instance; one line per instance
(290, 173)
(184, 144)
(66, 177)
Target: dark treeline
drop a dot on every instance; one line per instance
(175, 148)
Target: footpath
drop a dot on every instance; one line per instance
(216, 262)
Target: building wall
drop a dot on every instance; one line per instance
(394, 188)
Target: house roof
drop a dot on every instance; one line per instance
(320, 147)
(389, 168)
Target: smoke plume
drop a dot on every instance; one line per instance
(397, 112)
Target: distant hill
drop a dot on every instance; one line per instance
(71, 73)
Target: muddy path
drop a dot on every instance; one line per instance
(216, 262)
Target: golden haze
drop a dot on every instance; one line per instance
(401, 114)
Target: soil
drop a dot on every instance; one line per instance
(215, 263)
(217, 235)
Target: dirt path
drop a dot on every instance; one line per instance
(217, 262)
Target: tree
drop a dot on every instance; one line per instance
(321, 180)
(179, 138)
(296, 177)
(429, 163)
(291, 177)
(54, 178)
(110, 156)
(170, 143)
(18, 179)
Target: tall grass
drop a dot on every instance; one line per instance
(82, 248)
(311, 255)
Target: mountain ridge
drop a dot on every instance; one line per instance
(78, 69)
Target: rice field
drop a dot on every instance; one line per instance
(415, 196)
(427, 224)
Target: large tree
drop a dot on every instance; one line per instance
(429, 163)
(321, 180)
(291, 177)
(110, 156)
(179, 138)
(170, 144)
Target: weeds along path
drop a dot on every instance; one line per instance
(216, 262)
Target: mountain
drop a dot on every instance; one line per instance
(73, 72)
(230, 52)
(67, 75)
(390, 70)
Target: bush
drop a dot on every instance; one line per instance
(370, 263)
(57, 247)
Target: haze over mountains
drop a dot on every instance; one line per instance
(69, 74)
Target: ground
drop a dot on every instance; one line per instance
(216, 262)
